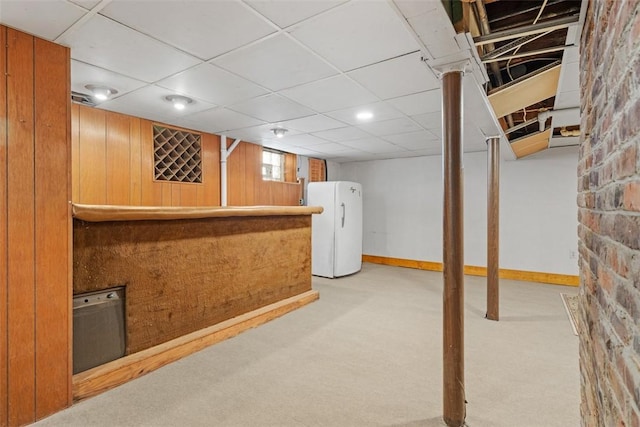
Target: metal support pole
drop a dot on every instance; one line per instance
(493, 227)
(454, 411)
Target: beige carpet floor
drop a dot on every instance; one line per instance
(368, 353)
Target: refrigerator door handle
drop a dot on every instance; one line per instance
(343, 213)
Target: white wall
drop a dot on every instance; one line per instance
(538, 214)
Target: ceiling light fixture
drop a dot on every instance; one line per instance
(179, 102)
(279, 132)
(364, 115)
(101, 93)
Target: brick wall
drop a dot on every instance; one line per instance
(609, 214)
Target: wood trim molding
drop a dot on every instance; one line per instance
(473, 270)
(104, 377)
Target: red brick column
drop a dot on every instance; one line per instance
(609, 214)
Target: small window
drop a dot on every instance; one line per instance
(272, 165)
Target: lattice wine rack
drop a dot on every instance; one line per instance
(176, 155)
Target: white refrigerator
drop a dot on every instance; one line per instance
(336, 233)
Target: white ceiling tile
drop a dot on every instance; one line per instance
(380, 110)
(330, 94)
(150, 103)
(313, 123)
(429, 120)
(260, 133)
(276, 63)
(288, 12)
(341, 134)
(212, 84)
(428, 152)
(410, 75)
(350, 36)
(307, 152)
(219, 120)
(419, 103)
(331, 148)
(414, 140)
(87, 4)
(203, 28)
(277, 145)
(46, 19)
(569, 77)
(272, 108)
(567, 100)
(390, 127)
(571, 54)
(436, 32)
(412, 8)
(113, 46)
(84, 74)
(565, 117)
(373, 145)
(303, 140)
(443, 47)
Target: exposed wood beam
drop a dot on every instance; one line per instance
(513, 33)
(526, 92)
(527, 53)
(531, 144)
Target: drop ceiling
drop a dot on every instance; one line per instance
(305, 65)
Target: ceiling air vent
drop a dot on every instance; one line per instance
(82, 98)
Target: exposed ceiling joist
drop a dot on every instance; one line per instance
(531, 144)
(513, 33)
(525, 54)
(526, 92)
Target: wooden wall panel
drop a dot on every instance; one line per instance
(20, 213)
(253, 172)
(209, 193)
(53, 289)
(165, 189)
(176, 193)
(93, 152)
(151, 191)
(118, 177)
(75, 152)
(135, 187)
(113, 164)
(3, 227)
(317, 170)
(290, 167)
(189, 194)
(35, 188)
(235, 177)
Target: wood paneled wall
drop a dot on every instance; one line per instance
(245, 186)
(112, 164)
(317, 170)
(35, 281)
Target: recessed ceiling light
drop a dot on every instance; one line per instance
(101, 93)
(364, 115)
(179, 102)
(279, 132)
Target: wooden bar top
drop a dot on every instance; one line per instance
(100, 213)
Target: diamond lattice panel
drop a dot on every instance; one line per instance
(177, 155)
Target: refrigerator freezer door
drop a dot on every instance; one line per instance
(348, 225)
(322, 228)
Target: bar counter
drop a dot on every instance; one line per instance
(187, 269)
